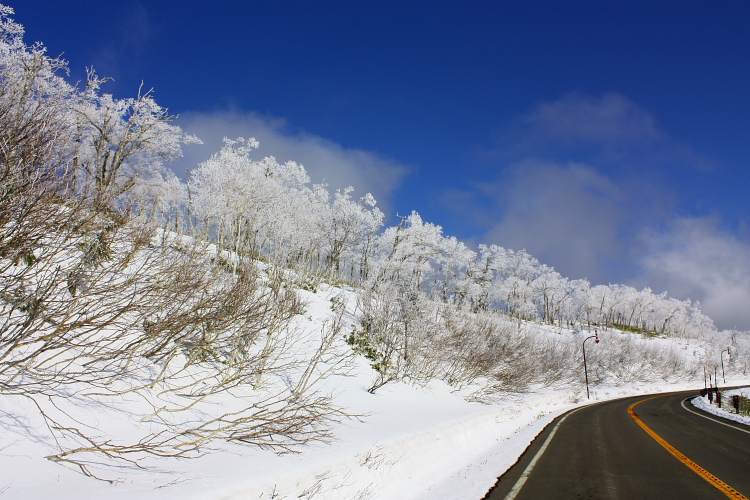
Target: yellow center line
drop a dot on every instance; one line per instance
(715, 481)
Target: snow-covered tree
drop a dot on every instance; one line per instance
(120, 140)
(346, 227)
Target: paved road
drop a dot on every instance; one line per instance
(600, 451)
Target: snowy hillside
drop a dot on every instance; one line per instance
(404, 441)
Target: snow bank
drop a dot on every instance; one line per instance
(702, 403)
(416, 444)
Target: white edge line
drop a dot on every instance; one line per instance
(519, 484)
(711, 419)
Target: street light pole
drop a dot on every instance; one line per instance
(722, 363)
(585, 368)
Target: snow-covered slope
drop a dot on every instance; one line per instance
(407, 441)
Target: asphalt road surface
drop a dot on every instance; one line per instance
(601, 451)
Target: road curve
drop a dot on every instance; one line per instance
(601, 452)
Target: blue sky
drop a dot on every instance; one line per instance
(609, 139)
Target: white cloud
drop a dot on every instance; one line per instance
(323, 159)
(587, 225)
(568, 216)
(611, 118)
(608, 130)
(693, 258)
(578, 178)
